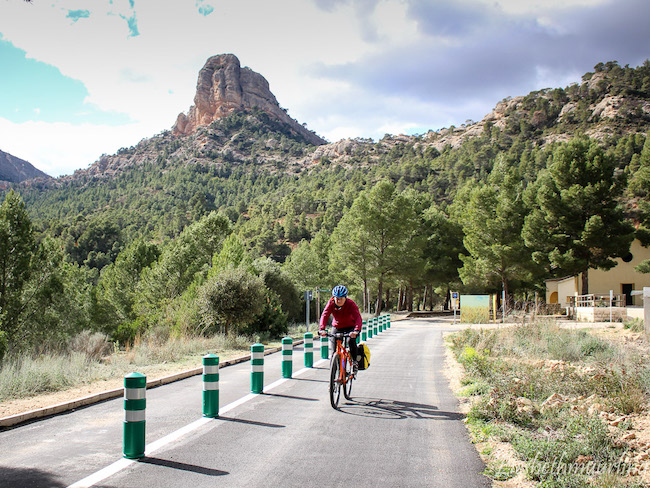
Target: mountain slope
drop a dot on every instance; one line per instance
(278, 187)
(16, 170)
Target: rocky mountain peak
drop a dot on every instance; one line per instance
(223, 87)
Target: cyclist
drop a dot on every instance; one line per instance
(345, 318)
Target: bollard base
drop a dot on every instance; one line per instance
(134, 442)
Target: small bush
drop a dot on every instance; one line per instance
(500, 471)
(94, 345)
(474, 362)
(635, 325)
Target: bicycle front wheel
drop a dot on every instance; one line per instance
(347, 387)
(335, 384)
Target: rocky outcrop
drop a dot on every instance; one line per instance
(224, 87)
(16, 170)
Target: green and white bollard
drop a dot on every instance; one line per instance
(324, 348)
(287, 357)
(375, 326)
(309, 350)
(388, 320)
(380, 324)
(364, 331)
(211, 386)
(369, 328)
(135, 403)
(257, 368)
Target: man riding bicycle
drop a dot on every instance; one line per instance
(345, 318)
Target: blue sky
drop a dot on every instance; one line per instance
(81, 78)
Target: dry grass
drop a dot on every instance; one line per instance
(510, 373)
(93, 359)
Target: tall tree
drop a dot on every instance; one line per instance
(492, 222)
(183, 260)
(375, 238)
(350, 256)
(576, 222)
(443, 246)
(308, 263)
(17, 249)
(118, 281)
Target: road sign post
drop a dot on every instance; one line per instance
(135, 403)
(454, 303)
(211, 385)
(309, 295)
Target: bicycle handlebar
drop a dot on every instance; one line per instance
(338, 334)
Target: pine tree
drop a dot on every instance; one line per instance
(576, 222)
(17, 249)
(492, 222)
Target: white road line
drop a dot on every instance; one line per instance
(118, 466)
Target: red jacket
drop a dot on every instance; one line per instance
(346, 316)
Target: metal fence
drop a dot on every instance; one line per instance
(593, 300)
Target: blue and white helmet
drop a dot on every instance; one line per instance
(339, 291)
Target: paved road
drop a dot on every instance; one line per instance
(402, 429)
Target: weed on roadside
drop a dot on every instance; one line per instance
(540, 388)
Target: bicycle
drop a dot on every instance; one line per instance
(341, 369)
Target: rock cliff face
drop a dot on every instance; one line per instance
(224, 87)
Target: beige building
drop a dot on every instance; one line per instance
(622, 279)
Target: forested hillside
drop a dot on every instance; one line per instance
(160, 236)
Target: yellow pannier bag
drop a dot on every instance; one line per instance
(363, 355)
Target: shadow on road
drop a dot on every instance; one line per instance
(291, 397)
(395, 409)
(252, 422)
(28, 477)
(183, 466)
(311, 379)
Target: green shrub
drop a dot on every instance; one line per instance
(271, 323)
(635, 325)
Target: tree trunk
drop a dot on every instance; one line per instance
(365, 295)
(410, 296)
(380, 292)
(388, 307)
(585, 282)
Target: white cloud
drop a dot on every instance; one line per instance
(52, 147)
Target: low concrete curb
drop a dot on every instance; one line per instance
(19, 418)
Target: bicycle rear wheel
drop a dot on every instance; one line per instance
(335, 384)
(347, 387)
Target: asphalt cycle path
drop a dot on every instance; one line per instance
(401, 428)
(61, 450)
